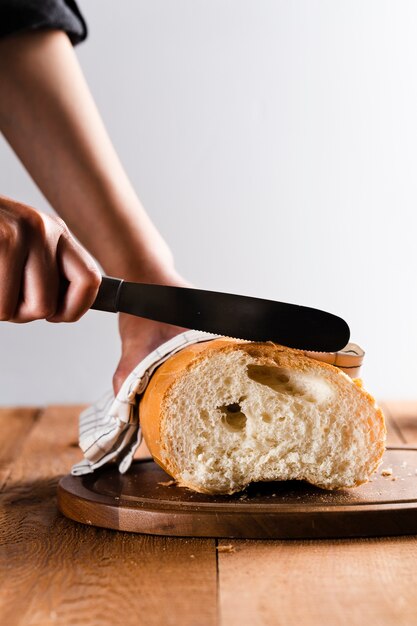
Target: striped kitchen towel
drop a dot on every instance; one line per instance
(110, 429)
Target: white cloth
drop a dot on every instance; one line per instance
(110, 429)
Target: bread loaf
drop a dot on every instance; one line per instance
(221, 414)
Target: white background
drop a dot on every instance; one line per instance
(287, 132)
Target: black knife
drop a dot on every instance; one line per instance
(226, 314)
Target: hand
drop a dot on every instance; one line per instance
(140, 336)
(37, 254)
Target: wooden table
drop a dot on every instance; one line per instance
(54, 571)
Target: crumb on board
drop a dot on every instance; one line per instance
(229, 548)
(387, 471)
(168, 483)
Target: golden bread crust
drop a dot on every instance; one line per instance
(152, 403)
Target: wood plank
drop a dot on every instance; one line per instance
(394, 435)
(404, 414)
(350, 582)
(54, 571)
(15, 426)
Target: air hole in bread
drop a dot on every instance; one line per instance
(274, 377)
(268, 418)
(233, 408)
(233, 417)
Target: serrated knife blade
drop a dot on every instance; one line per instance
(226, 314)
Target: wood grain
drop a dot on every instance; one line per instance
(404, 415)
(352, 582)
(394, 435)
(54, 571)
(15, 426)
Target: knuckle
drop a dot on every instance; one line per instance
(32, 223)
(10, 235)
(95, 277)
(90, 281)
(23, 229)
(22, 224)
(58, 223)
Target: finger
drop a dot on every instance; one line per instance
(84, 279)
(39, 289)
(12, 261)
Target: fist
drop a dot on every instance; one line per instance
(44, 272)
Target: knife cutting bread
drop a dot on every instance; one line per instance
(224, 413)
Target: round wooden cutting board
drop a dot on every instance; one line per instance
(145, 501)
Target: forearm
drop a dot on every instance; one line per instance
(48, 116)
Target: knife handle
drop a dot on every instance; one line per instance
(108, 295)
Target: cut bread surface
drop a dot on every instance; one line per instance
(230, 413)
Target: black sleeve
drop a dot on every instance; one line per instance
(17, 16)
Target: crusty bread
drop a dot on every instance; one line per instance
(221, 414)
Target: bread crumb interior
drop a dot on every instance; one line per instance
(233, 419)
